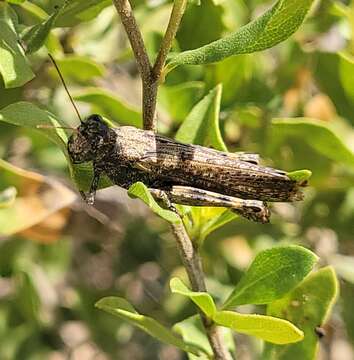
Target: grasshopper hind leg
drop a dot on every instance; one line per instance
(254, 210)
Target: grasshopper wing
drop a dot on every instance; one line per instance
(233, 174)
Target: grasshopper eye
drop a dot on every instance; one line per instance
(94, 117)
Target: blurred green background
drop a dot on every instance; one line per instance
(58, 256)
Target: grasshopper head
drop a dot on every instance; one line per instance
(91, 135)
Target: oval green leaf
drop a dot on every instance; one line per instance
(35, 37)
(14, 67)
(202, 299)
(192, 330)
(124, 310)
(346, 73)
(28, 115)
(79, 68)
(271, 275)
(308, 306)
(267, 328)
(299, 175)
(81, 10)
(274, 26)
(318, 134)
(201, 127)
(139, 190)
(109, 105)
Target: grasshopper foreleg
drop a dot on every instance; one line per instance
(184, 195)
(89, 198)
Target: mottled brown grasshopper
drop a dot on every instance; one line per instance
(183, 173)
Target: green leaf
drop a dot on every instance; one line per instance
(81, 10)
(196, 20)
(36, 36)
(192, 330)
(124, 310)
(14, 67)
(271, 275)
(179, 99)
(140, 191)
(28, 299)
(34, 11)
(202, 299)
(274, 26)
(267, 328)
(318, 134)
(346, 72)
(204, 220)
(308, 306)
(28, 115)
(79, 68)
(234, 73)
(212, 223)
(15, 1)
(201, 126)
(299, 175)
(7, 197)
(109, 105)
(8, 15)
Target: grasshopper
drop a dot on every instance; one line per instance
(182, 173)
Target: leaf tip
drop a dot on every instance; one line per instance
(300, 175)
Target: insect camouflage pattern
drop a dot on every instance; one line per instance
(183, 174)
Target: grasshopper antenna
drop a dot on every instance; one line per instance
(47, 126)
(65, 87)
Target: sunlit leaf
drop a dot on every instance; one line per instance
(299, 175)
(140, 191)
(271, 275)
(318, 134)
(197, 20)
(14, 67)
(267, 328)
(307, 306)
(346, 70)
(201, 126)
(125, 311)
(179, 99)
(192, 330)
(79, 68)
(202, 299)
(35, 37)
(81, 10)
(110, 105)
(274, 26)
(28, 115)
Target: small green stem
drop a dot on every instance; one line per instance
(178, 9)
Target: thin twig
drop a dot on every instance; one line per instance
(192, 262)
(150, 75)
(145, 69)
(178, 9)
(136, 40)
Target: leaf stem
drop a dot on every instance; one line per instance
(178, 9)
(192, 262)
